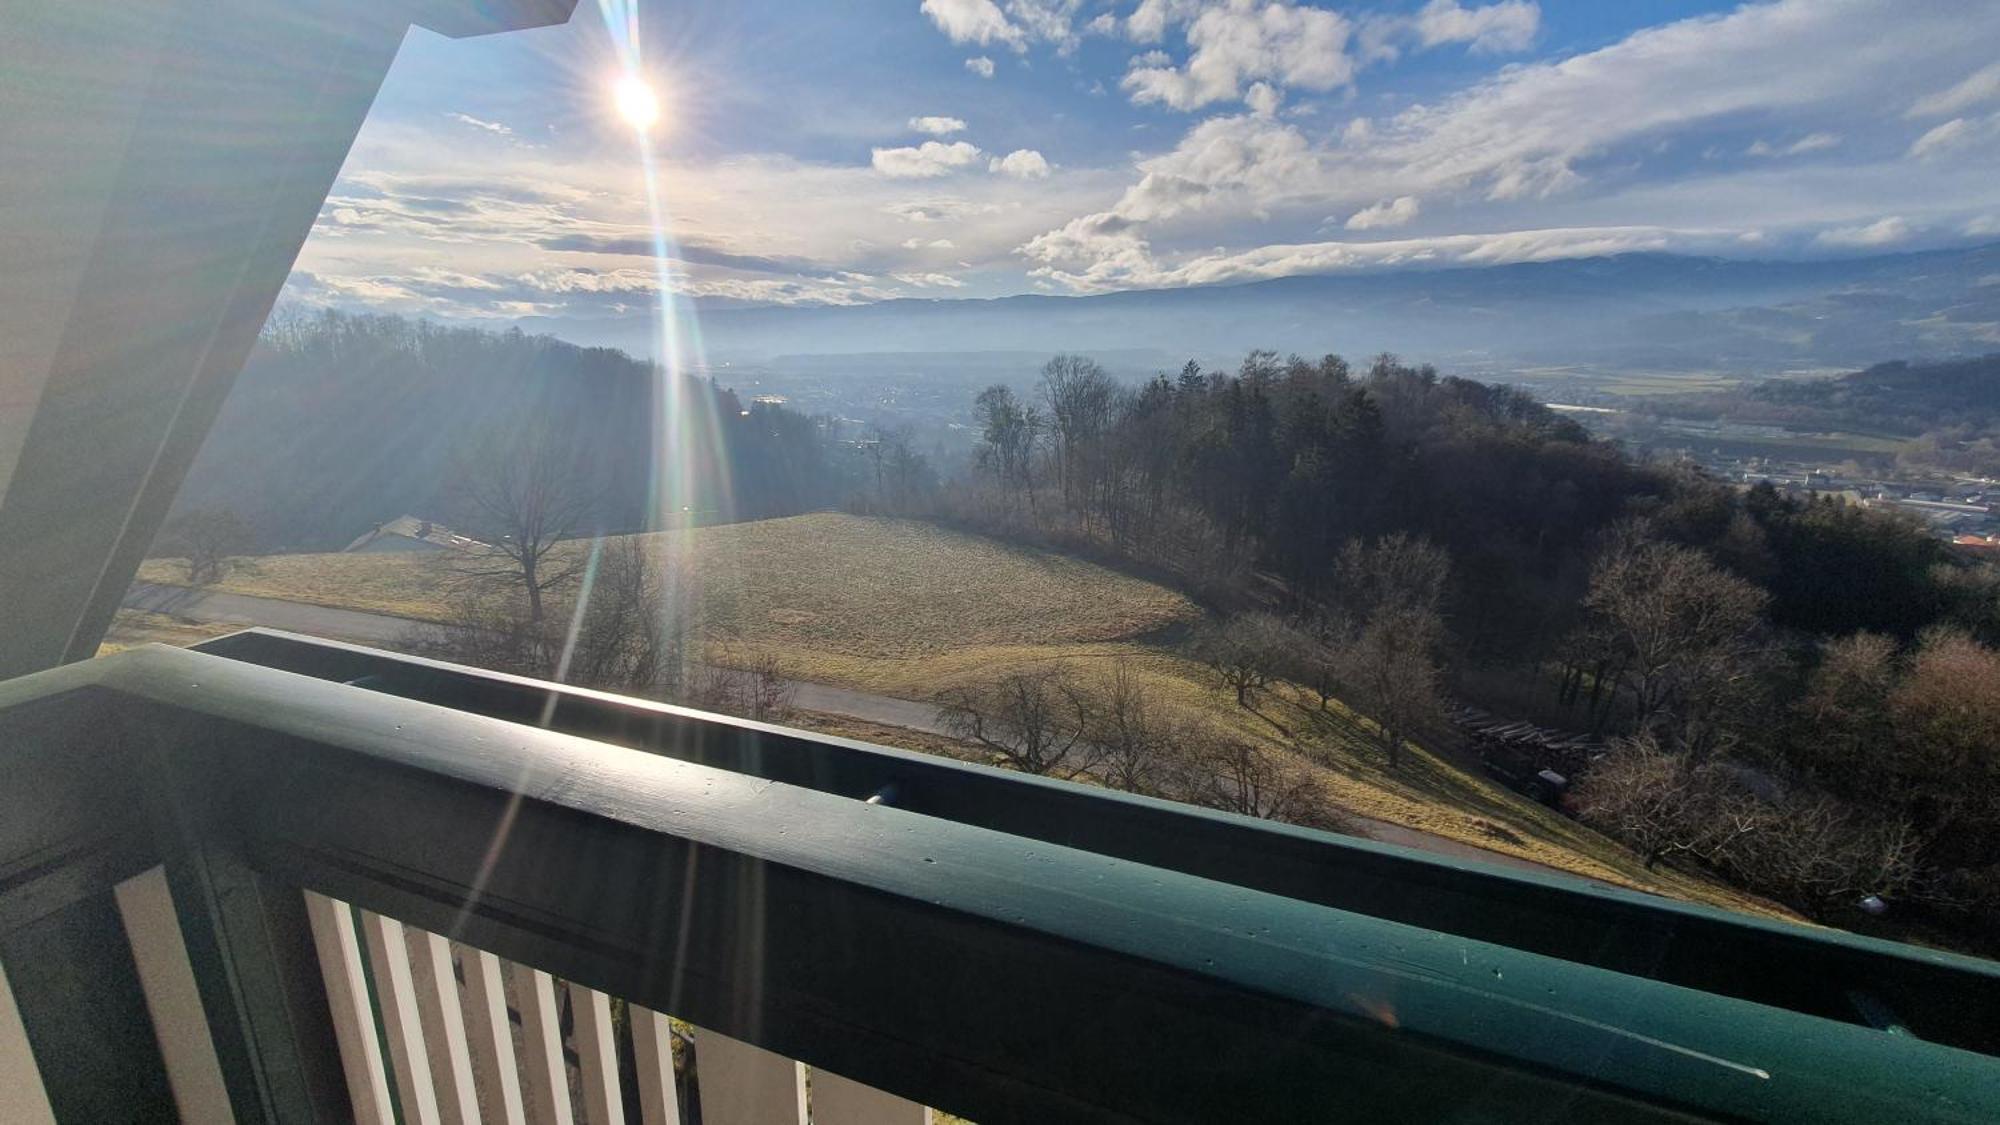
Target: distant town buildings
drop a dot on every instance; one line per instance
(1964, 510)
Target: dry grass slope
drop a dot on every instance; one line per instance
(907, 609)
(399, 585)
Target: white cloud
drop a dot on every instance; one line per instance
(1388, 213)
(1981, 86)
(937, 126)
(1583, 151)
(1022, 163)
(1882, 232)
(1950, 135)
(451, 279)
(1127, 261)
(1244, 40)
(932, 158)
(930, 280)
(1263, 99)
(1811, 142)
(984, 22)
(1490, 29)
(940, 210)
(1047, 20)
(974, 21)
(980, 65)
(1577, 138)
(1983, 225)
(1506, 26)
(413, 229)
(579, 280)
(1245, 161)
(493, 127)
(1148, 22)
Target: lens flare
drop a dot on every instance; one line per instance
(690, 461)
(637, 103)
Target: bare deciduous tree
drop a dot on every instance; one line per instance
(1238, 776)
(905, 483)
(1844, 711)
(1661, 804)
(1009, 433)
(1819, 852)
(1138, 749)
(1946, 714)
(1383, 632)
(1681, 634)
(759, 690)
(1034, 720)
(1245, 652)
(633, 627)
(1397, 573)
(522, 500)
(1389, 668)
(1081, 397)
(207, 538)
(1792, 842)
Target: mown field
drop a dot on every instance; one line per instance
(908, 609)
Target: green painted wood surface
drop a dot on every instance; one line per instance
(986, 972)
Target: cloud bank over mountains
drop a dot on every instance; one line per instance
(1074, 147)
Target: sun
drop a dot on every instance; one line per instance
(636, 102)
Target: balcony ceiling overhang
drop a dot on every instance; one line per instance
(163, 163)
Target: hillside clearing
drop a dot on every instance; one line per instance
(868, 587)
(398, 585)
(908, 609)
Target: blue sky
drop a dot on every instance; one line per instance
(846, 152)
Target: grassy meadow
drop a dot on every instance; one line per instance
(903, 608)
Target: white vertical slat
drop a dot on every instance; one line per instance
(653, 1047)
(396, 996)
(23, 1098)
(843, 1101)
(745, 1085)
(173, 1000)
(597, 1055)
(353, 1018)
(544, 1078)
(491, 1039)
(444, 1026)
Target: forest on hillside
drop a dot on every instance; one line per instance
(1800, 695)
(342, 422)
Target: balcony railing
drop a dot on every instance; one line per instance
(293, 880)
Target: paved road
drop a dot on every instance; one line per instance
(241, 609)
(383, 629)
(884, 709)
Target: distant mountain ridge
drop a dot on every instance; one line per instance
(1653, 311)
(1900, 399)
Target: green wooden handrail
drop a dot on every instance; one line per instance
(1939, 996)
(989, 973)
